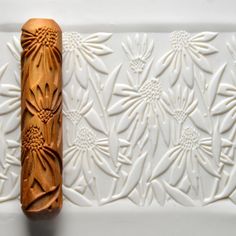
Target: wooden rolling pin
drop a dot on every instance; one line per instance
(41, 118)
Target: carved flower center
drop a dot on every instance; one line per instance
(189, 139)
(180, 115)
(179, 40)
(137, 65)
(33, 139)
(46, 36)
(45, 115)
(151, 90)
(71, 41)
(85, 139)
(74, 116)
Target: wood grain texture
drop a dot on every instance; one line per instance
(41, 118)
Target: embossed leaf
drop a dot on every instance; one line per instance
(125, 121)
(14, 192)
(230, 186)
(175, 72)
(134, 197)
(146, 71)
(165, 131)
(214, 83)
(159, 192)
(133, 176)
(192, 172)
(226, 90)
(201, 122)
(103, 164)
(178, 195)
(226, 159)
(81, 74)
(75, 197)
(177, 170)
(139, 132)
(124, 159)
(187, 72)
(95, 121)
(166, 162)
(13, 122)
(113, 143)
(109, 84)
(221, 107)
(72, 171)
(163, 63)
(153, 136)
(216, 143)
(117, 108)
(3, 69)
(207, 165)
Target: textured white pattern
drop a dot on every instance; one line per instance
(149, 118)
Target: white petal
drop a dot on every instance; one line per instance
(204, 36)
(95, 62)
(98, 37)
(227, 122)
(221, 107)
(201, 61)
(98, 49)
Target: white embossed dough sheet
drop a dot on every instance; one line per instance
(149, 111)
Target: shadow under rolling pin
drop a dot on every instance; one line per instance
(41, 119)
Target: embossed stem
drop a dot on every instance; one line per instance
(41, 119)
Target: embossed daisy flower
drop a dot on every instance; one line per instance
(78, 50)
(138, 51)
(145, 102)
(191, 151)
(85, 148)
(187, 53)
(181, 103)
(78, 106)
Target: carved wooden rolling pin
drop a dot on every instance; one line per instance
(41, 118)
